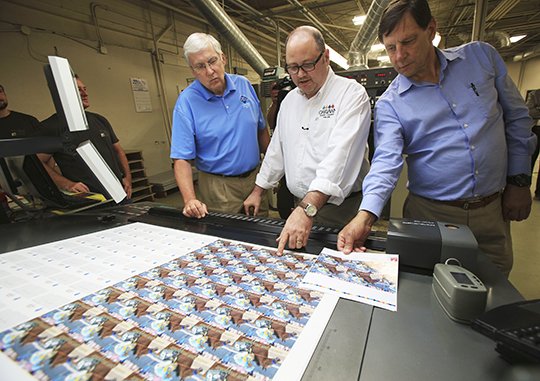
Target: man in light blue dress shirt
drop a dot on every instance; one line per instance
(464, 129)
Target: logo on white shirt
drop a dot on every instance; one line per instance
(327, 111)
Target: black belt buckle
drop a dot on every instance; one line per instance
(467, 204)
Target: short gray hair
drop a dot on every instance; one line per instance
(199, 41)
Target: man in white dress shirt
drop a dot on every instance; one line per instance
(320, 142)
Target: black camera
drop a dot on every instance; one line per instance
(285, 83)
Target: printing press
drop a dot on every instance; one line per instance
(360, 341)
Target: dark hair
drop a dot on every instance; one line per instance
(394, 12)
(2, 87)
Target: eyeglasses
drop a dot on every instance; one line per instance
(307, 67)
(199, 68)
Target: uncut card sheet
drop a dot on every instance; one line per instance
(364, 277)
(225, 311)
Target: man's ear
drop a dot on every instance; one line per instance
(432, 27)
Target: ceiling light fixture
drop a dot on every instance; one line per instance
(515, 39)
(377, 48)
(359, 20)
(437, 39)
(337, 58)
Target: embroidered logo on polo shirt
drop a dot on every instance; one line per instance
(245, 102)
(327, 111)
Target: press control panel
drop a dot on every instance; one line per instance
(379, 77)
(375, 80)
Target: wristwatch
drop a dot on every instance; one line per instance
(309, 209)
(521, 180)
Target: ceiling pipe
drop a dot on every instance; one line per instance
(192, 16)
(311, 17)
(366, 35)
(93, 10)
(500, 10)
(278, 44)
(261, 16)
(479, 22)
(225, 26)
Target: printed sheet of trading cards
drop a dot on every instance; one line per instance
(364, 277)
(223, 311)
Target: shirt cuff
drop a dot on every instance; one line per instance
(373, 204)
(518, 164)
(260, 181)
(328, 188)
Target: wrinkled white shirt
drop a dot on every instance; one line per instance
(320, 144)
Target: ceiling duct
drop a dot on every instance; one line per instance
(534, 52)
(502, 38)
(225, 26)
(497, 38)
(366, 35)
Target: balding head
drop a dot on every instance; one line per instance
(308, 31)
(307, 59)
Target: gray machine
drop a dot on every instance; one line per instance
(423, 244)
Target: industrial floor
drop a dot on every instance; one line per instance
(525, 275)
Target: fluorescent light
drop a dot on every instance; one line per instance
(377, 48)
(515, 39)
(359, 20)
(383, 59)
(437, 39)
(337, 58)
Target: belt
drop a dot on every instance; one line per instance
(470, 204)
(241, 175)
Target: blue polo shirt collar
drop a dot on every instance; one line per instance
(229, 87)
(444, 56)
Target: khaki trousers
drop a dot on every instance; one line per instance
(227, 194)
(486, 223)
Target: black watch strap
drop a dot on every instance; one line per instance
(521, 180)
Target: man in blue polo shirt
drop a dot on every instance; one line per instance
(218, 123)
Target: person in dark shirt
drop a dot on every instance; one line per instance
(76, 176)
(15, 124)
